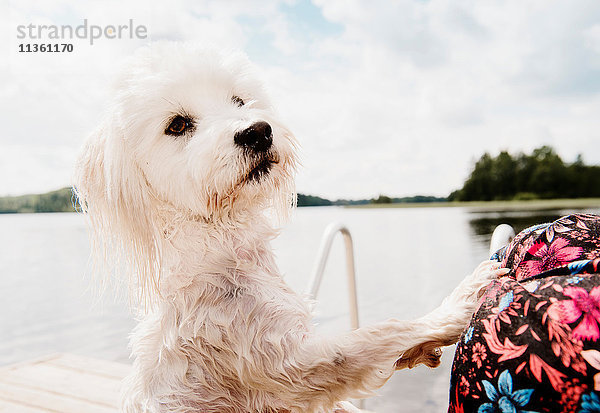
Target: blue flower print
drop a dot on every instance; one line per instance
(468, 334)
(590, 403)
(505, 400)
(506, 300)
(576, 266)
(574, 280)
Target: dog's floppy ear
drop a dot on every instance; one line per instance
(113, 192)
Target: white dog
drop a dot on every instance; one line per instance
(176, 182)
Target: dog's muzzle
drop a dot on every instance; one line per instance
(257, 143)
(257, 138)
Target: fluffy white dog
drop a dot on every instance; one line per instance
(176, 182)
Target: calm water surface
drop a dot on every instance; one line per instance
(407, 261)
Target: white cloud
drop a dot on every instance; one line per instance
(385, 97)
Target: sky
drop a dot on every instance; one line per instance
(385, 97)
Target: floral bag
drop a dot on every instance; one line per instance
(534, 343)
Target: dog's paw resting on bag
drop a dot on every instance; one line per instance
(457, 310)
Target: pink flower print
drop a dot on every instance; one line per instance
(479, 354)
(547, 257)
(582, 304)
(464, 386)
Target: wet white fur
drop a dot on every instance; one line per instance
(220, 331)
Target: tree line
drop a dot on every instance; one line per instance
(311, 200)
(64, 200)
(539, 175)
(61, 200)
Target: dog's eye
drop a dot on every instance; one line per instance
(237, 101)
(178, 126)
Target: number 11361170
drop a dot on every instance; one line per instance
(45, 47)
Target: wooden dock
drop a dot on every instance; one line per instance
(61, 383)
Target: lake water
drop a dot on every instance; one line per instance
(407, 261)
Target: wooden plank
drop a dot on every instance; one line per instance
(42, 359)
(9, 407)
(64, 381)
(88, 365)
(46, 401)
(51, 401)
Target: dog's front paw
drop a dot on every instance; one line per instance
(473, 286)
(428, 354)
(462, 303)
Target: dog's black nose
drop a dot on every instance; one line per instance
(258, 137)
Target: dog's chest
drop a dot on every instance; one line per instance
(235, 311)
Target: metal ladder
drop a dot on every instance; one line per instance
(502, 235)
(317, 275)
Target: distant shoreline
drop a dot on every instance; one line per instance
(483, 206)
(63, 200)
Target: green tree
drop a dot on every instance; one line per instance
(503, 176)
(543, 174)
(382, 199)
(549, 177)
(479, 186)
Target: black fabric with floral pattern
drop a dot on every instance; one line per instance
(534, 343)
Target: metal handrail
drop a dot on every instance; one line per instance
(317, 275)
(503, 235)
